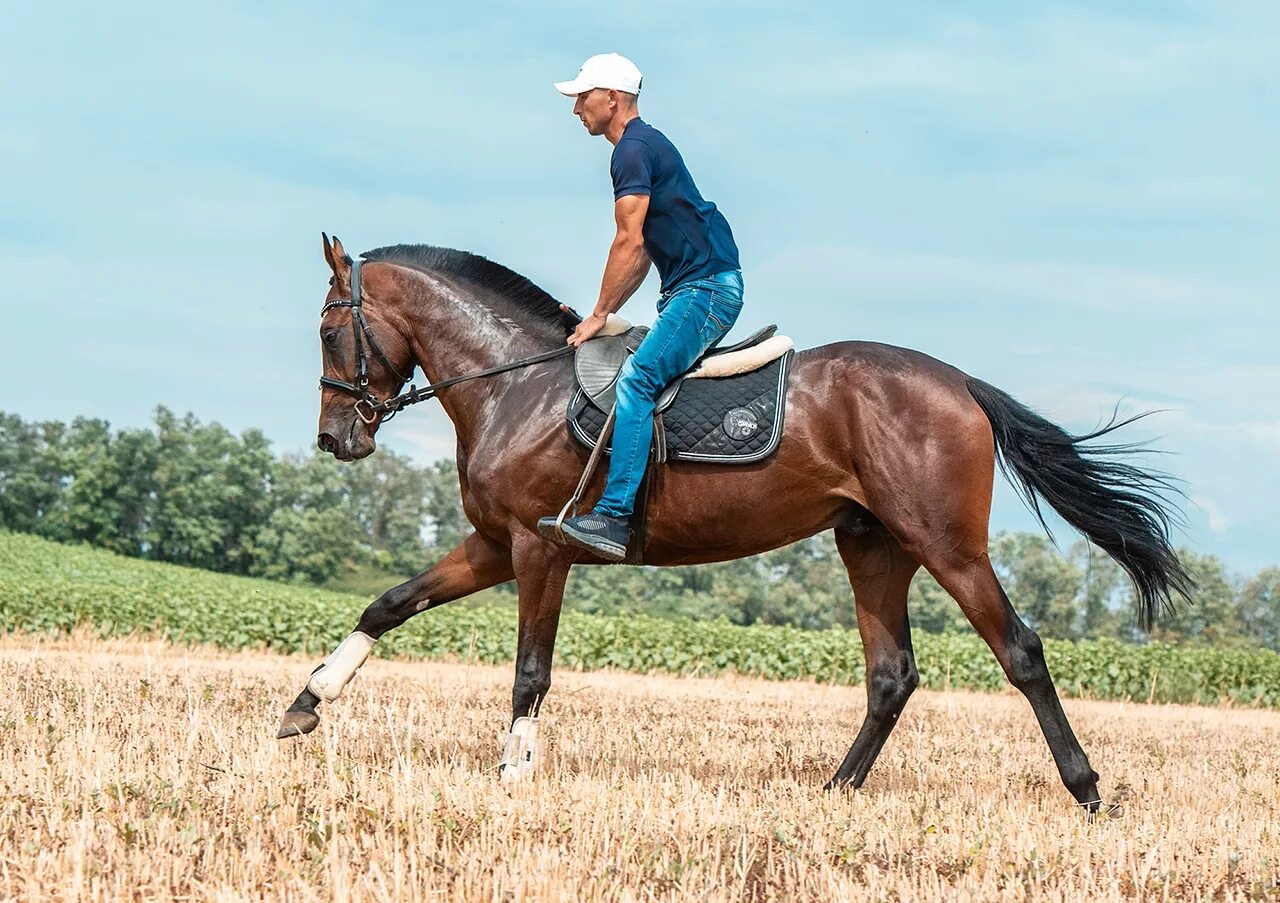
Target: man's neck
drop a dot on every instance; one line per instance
(619, 125)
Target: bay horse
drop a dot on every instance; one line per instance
(892, 450)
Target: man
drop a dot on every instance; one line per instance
(661, 218)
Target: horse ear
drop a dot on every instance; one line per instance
(337, 258)
(328, 251)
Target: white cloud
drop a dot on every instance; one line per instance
(1219, 523)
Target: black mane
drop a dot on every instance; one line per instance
(482, 271)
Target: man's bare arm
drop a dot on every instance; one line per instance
(626, 267)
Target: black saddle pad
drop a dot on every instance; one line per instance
(731, 420)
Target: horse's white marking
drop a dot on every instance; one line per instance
(336, 671)
(520, 753)
(421, 605)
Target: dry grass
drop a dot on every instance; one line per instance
(140, 771)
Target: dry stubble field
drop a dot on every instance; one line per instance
(136, 770)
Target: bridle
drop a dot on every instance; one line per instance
(360, 327)
(368, 407)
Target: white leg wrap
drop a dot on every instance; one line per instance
(519, 755)
(336, 671)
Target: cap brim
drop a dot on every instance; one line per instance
(573, 88)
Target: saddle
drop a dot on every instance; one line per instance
(726, 409)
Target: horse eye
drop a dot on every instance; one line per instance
(331, 337)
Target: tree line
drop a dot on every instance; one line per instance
(196, 494)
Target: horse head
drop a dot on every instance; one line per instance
(365, 357)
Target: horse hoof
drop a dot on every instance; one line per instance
(295, 724)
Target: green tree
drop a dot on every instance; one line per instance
(1105, 597)
(1041, 583)
(212, 493)
(447, 523)
(390, 499)
(1213, 614)
(1260, 608)
(803, 584)
(32, 476)
(932, 609)
(312, 534)
(109, 492)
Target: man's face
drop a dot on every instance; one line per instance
(595, 109)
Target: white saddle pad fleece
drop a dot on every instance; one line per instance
(744, 361)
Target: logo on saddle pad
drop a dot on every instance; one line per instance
(740, 423)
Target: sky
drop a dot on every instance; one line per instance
(1077, 203)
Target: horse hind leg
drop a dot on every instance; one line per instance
(880, 573)
(974, 585)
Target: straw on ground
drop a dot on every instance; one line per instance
(134, 770)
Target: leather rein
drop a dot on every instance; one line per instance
(368, 407)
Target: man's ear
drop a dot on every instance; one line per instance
(338, 261)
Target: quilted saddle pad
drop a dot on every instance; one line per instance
(730, 420)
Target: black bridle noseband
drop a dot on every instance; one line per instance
(367, 405)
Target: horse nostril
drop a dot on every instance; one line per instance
(327, 443)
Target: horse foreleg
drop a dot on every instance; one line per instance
(541, 571)
(880, 573)
(476, 564)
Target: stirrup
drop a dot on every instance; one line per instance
(552, 528)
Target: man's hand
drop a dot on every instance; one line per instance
(586, 329)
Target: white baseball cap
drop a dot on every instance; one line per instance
(604, 70)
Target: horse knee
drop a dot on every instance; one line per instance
(889, 688)
(1027, 669)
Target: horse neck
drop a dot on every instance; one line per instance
(456, 328)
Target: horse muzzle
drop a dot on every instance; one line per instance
(346, 444)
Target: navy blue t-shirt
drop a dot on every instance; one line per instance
(685, 235)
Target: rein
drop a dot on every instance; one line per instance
(368, 407)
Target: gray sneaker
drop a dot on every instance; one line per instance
(606, 536)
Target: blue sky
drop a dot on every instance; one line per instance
(1075, 203)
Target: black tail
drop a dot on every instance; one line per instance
(1121, 508)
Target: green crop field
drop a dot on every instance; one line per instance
(49, 587)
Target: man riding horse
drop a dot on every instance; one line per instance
(661, 218)
(890, 451)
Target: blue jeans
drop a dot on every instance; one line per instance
(692, 317)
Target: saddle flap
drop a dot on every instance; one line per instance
(598, 361)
